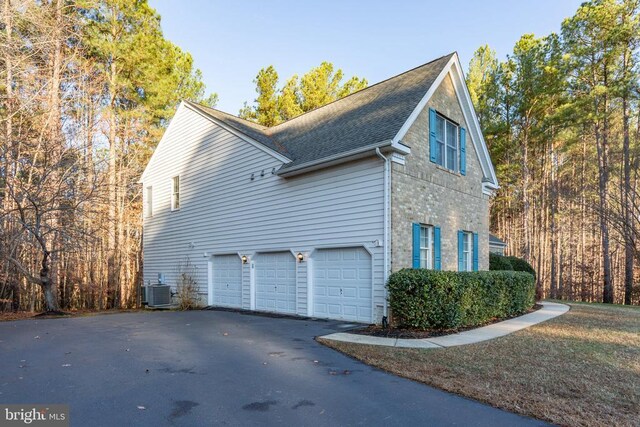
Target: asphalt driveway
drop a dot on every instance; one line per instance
(213, 368)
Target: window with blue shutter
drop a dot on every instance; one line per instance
(475, 251)
(416, 246)
(463, 151)
(461, 263)
(437, 260)
(432, 135)
(447, 143)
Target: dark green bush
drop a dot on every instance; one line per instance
(446, 299)
(499, 262)
(519, 264)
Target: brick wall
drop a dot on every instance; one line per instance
(424, 192)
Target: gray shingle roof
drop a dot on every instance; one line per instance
(364, 118)
(493, 239)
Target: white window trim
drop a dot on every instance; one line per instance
(456, 162)
(148, 201)
(429, 248)
(468, 256)
(172, 206)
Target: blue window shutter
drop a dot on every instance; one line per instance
(437, 261)
(432, 135)
(416, 245)
(460, 250)
(475, 251)
(463, 151)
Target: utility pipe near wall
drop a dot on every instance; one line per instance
(387, 215)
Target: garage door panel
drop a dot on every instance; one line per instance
(276, 282)
(349, 274)
(334, 310)
(332, 291)
(342, 284)
(227, 281)
(365, 275)
(351, 293)
(350, 310)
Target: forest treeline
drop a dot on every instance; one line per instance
(562, 120)
(87, 88)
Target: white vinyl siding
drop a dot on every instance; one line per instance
(149, 202)
(447, 143)
(223, 211)
(175, 193)
(426, 246)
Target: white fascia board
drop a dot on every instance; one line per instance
(488, 189)
(336, 159)
(400, 148)
(241, 135)
(470, 116)
(423, 102)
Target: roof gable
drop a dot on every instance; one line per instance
(377, 115)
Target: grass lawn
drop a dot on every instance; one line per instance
(579, 369)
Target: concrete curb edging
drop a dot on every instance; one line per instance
(548, 311)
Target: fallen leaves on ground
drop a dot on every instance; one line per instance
(582, 368)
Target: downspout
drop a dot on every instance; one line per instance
(387, 206)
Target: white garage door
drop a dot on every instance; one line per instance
(227, 281)
(342, 284)
(276, 282)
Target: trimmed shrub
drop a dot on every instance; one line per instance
(428, 299)
(499, 262)
(519, 264)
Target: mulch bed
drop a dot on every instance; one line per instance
(391, 332)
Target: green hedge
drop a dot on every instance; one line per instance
(499, 262)
(521, 265)
(427, 299)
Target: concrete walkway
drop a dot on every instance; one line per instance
(548, 311)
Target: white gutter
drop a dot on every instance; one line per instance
(334, 159)
(386, 228)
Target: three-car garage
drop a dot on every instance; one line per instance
(332, 283)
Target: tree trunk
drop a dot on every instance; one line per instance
(603, 182)
(112, 274)
(629, 241)
(553, 226)
(10, 154)
(55, 134)
(50, 300)
(525, 200)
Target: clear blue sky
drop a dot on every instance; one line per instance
(231, 40)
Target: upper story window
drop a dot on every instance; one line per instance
(149, 201)
(447, 143)
(175, 193)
